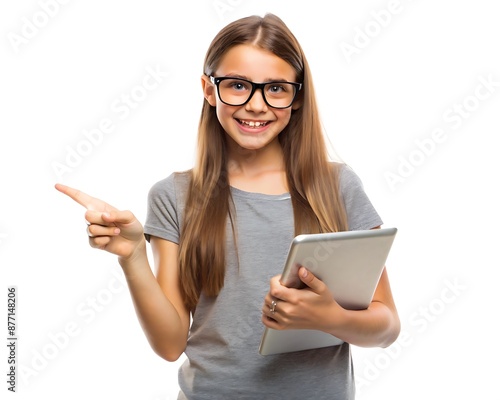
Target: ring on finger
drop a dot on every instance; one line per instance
(272, 309)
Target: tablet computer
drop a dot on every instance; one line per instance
(349, 263)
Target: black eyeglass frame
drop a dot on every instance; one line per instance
(216, 80)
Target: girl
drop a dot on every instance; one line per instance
(220, 232)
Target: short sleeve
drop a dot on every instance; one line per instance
(163, 210)
(360, 211)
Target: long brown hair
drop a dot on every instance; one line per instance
(312, 179)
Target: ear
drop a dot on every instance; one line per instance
(208, 90)
(299, 100)
(296, 104)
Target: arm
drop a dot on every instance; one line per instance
(378, 325)
(157, 300)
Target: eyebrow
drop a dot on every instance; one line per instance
(230, 75)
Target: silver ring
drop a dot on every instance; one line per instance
(272, 309)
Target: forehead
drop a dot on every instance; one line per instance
(255, 64)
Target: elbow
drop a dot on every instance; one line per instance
(169, 355)
(392, 333)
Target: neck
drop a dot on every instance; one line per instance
(261, 170)
(249, 162)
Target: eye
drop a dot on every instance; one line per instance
(236, 85)
(276, 89)
(279, 89)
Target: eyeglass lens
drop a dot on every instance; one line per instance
(237, 92)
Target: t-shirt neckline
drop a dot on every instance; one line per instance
(256, 195)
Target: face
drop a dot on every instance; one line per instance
(254, 125)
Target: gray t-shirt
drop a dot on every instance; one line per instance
(222, 351)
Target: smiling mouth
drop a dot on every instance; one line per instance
(253, 124)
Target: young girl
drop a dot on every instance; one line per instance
(220, 232)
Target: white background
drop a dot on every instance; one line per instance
(407, 76)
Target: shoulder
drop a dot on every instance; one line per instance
(348, 179)
(165, 207)
(174, 185)
(359, 209)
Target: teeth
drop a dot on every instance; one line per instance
(254, 124)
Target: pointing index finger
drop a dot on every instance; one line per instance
(80, 197)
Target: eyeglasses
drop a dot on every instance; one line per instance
(238, 91)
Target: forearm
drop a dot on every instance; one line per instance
(160, 321)
(377, 326)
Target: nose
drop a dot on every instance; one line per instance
(256, 102)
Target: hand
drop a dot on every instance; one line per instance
(110, 229)
(310, 308)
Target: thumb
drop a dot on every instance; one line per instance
(117, 217)
(310, 280)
